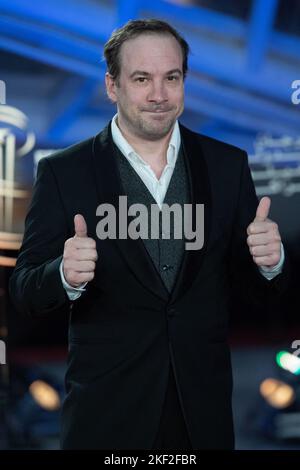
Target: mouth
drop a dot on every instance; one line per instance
(158, 111)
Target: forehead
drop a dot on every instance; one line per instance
(151, 51)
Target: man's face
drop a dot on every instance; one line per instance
(149, 91)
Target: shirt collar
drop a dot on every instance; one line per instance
(129, 152)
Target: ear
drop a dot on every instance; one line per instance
(110, 87)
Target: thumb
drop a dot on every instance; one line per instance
(80, 226)
(263, 209)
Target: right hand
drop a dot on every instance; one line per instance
(80, 255)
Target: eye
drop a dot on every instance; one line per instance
(141, 79)
(173, 78)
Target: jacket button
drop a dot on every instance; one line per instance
(171, 312)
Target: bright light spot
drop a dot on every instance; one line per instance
(289, 362)
(268, 387)
(277, 393)
(45, 395)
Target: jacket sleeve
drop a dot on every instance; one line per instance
(35, 285)
(244, 272)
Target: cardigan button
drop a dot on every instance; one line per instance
(167, 267)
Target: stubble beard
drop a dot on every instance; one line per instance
(156, 129)
(149, 128)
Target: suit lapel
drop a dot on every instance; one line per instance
(109, 188)
(199, 183)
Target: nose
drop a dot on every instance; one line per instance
(158, 92)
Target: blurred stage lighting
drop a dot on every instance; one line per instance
(277, 393)
(278, 415)
(45, 395)
(33, 413)
(288, 361)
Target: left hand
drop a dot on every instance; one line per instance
(264, 237)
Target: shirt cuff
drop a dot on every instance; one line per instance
(72, 292)
(270, 273)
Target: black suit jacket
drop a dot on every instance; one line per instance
(126, 328)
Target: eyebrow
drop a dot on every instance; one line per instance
(147, 74)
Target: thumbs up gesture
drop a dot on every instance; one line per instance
(80, 255)
(264, 237)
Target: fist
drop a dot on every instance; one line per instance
(80, 255)
(264, 239)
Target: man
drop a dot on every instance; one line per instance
(149, 365)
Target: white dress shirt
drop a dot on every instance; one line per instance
(157, 188)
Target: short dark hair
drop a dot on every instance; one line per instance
(132, 29)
